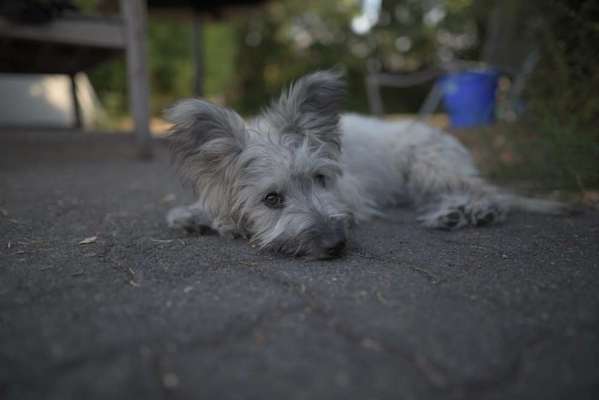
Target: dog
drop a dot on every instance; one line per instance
(297, 177)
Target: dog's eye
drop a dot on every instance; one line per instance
(274, 200)
(321, 179)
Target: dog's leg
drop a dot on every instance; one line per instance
(454, 211)
(442, 181)
(192, 218)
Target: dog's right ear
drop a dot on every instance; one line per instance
(205, 138)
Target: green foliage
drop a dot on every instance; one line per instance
(287, 39)
(171, 66)
(250, 56)
(563, 94)
(220, 49)
(546, 153)
(556, 142)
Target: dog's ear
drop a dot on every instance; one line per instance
(311, 107)
(205, 138)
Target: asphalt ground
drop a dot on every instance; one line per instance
(143, 312)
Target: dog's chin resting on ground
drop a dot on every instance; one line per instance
(298, 176)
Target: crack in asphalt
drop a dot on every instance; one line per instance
(435, 374)
(421, 270)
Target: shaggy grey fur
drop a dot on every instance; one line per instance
(295, 178)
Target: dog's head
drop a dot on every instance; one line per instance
(273, 179)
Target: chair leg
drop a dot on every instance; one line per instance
(78, 122)
(374, 95)
(135, 14)
(431, 102)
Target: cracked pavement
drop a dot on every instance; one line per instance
(505, 312)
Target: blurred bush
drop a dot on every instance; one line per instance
(287, 39)
(171, 66)
(251, 54)
(557, 139)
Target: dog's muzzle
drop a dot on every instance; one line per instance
(332, 241)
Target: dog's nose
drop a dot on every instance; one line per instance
(335, 249)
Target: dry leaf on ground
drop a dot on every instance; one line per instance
(89, 240)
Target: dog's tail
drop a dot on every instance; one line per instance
(534, 205)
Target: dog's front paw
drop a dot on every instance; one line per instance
(226, 228)
(487, 215)
(191, 220)
(446, 219)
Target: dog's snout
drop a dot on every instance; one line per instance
(332, 239)
(332, 247)
(335, 249)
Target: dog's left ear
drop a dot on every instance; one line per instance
(311, 107)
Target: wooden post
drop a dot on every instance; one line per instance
(135, 14)
(198, 54)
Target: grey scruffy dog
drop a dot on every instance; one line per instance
(298, 176)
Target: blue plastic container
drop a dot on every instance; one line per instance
(469, 97)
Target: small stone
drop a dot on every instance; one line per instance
(371, 344)
(170, 380)
(169, 198)
(342, 379)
